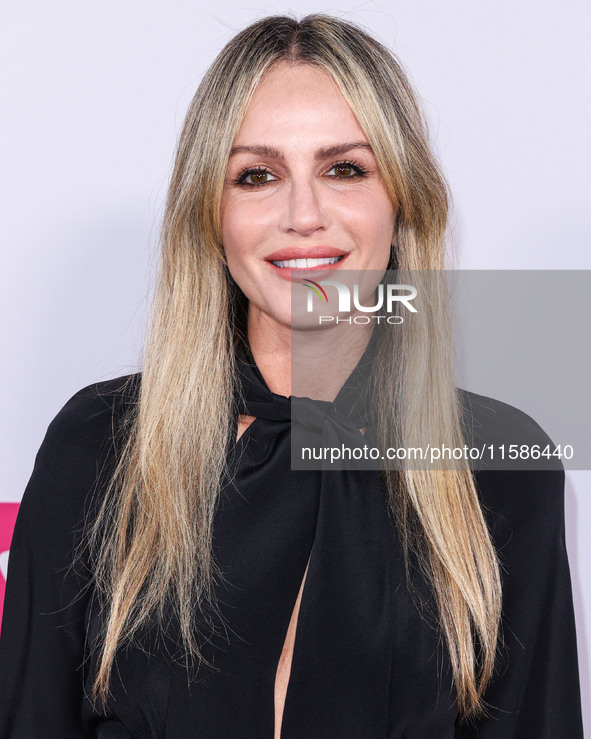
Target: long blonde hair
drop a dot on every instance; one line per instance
(150, 544)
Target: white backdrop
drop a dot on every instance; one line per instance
(93, 99)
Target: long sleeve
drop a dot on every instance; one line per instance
(42, 645)
(535, 692)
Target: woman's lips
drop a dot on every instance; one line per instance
(319, 251)
(294, 273)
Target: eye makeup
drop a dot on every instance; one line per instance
(357, 171)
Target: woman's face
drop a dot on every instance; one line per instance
(302, 183)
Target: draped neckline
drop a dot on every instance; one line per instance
(257, 400)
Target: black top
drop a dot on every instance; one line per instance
(368, 662)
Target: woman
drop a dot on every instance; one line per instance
(170, 574)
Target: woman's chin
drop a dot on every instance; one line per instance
(291, 320)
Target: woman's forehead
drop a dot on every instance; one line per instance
(298, 106)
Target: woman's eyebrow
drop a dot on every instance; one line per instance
(259, 149)
(336, 151)
(326, 152)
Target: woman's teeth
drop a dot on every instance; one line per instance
(307, 263)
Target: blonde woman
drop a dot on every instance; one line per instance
(171, 575)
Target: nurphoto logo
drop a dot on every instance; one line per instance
(388, 298)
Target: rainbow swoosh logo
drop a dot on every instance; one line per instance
(318, 289)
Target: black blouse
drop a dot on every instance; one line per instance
(369, 661)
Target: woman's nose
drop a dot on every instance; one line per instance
(304, 211)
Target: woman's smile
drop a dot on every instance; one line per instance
(295, 263)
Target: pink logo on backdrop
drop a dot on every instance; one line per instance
(8, 513)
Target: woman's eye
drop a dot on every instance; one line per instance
(256, 177)
(346, 170)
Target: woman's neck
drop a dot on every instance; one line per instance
(313, 363)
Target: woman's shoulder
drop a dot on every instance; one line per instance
(80, 445)
(492, 421)
(517, 455)
(92, 417)
(522, 487)
(92, 402)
